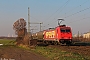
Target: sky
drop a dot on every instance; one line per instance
(76, 14)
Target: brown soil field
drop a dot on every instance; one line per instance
(82, 50)
(15, 53)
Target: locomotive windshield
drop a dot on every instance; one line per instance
(62, 30)
(65, 30)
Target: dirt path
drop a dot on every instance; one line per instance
(14, 53)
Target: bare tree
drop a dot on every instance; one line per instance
(20, 24)
(20, 29)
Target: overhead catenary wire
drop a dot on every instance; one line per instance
(77, 12)
(77, 7)
(58, 10)
(34, 18)
(62, 7)
(70, 11)
(77, 17)
(79, 20)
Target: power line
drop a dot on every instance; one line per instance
(64, 6)
(59, 9)
(78, 16)
(78, 6)
(34, 17)
(77, 12)
(37, 23)
(79, 20)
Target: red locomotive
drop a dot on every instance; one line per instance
(60, 34)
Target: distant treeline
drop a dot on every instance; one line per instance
(7, 37)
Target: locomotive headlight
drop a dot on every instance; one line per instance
(70, 41)
(69, 37)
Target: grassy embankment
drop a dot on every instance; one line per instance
(7, 41)
(57, 54)
(52, 53)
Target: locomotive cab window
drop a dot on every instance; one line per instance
(62, 30)
(67, 30)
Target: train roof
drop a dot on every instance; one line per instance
(61, 26)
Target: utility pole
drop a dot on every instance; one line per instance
(40, 26)
(78, 35)
(29, 26)
(28, 21)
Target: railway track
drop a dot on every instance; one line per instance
(82, 48)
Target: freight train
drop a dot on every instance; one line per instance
(61, 34)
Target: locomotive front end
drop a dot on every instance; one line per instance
(64, 34)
